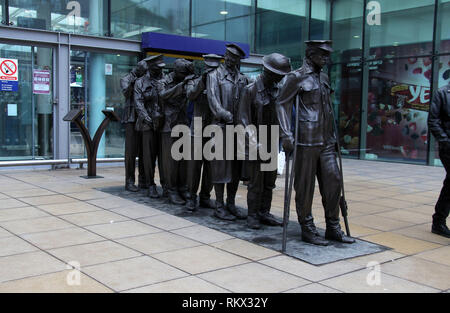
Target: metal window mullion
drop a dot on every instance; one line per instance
(434, 83)
(364, 85)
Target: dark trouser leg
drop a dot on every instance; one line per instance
(170, 166)
(130, 153)
(154, 155)
(255, 188)
(219, 190)
(268, 186)
(329, 180)
(194, 168)
(305, 173)
(443, 204)
(142, 178)
(147, 156)
(158, 137)
(207, 186)
(233, 185)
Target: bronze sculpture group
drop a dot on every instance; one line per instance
(222, 95)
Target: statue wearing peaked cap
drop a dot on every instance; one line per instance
(146, 93)
(224, 86)
(196, 92)
(316, 146)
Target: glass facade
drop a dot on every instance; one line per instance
(389, 57)
(94, 89)
(26, 103)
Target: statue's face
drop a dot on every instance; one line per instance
(155, 70)
(231, 60)
(320, 58)
(180, 74)
(273, 77)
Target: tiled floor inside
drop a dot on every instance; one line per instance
(54, 221)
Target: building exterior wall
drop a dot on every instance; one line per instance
(389, 57)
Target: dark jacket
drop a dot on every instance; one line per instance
(174, 103)
(127, 86)
(224, 93)
(315, 114)
(196, 92)
(257, 107)
(146, 90)
(439, 116)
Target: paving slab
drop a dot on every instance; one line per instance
(269, 237)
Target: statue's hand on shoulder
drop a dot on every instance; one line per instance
(226, 116)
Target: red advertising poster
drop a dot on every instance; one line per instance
(41, 82)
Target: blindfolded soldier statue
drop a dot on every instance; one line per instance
(257, 108)
(316, 146)
(174, 108)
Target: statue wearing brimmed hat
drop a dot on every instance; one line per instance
(257, 107)
(149, 117)
(196, 92)
(224, 86)
(316, 145)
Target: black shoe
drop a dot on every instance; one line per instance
(240, 215)
(165, 193)
(338, 235)
(152, 192)
(185, 195)
(131, 187)
(313, 238)
(190, 205)
(440, 229)
(174, 198)
(223, 214)
(207, 204)
(269, 219)
(253, 222)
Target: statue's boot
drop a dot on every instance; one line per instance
(337, 234)
(130, 186)
(253, 222)
(152, 192)
(223, 214)
(310, 235)
(268, 219)
(191, 203)
(239, 213)
(174, 198)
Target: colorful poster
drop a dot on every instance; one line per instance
(41, 82)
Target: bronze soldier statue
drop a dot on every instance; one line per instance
(224, 87)
(146, 92)
(258, 108)
(196, 92)
(439, 124)
(316, 146)
(174, 109)
(133, 137)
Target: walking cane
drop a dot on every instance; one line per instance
(289, 180)
(342, 202)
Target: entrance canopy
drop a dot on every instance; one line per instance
(184, 45)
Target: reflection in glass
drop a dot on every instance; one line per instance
(402, 23)
(346, 83)
(79, 17)
(94, 89)
(398, 104)
(130, 19)
(26, 108)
